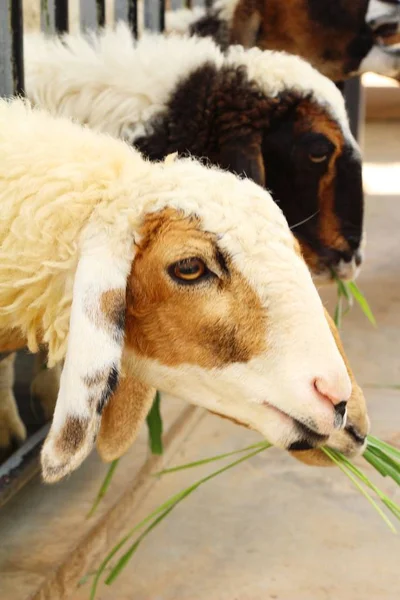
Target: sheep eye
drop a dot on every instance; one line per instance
(189, 270)
(319, 151)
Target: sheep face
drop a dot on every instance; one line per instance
(316, 177)
(197, 328)
(212, 303)
(362, 29)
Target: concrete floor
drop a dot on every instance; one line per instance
(273, 528)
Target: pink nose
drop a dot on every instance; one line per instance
(328, 394)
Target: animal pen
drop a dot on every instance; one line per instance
(55, 16)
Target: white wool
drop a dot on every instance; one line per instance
(72, 201)
(279, 72)
(225, 9)
(116, 85)
(109, 81)
(179, 21)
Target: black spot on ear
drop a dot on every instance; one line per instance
(120, 320)
(73, 435)
(109, 389)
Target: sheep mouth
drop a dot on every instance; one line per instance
(308, 438)
(355, 435)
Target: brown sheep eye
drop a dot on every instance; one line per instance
(190, 269)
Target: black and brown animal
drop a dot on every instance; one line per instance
(340, 38)
(266, 115)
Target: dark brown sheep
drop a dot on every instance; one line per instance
(340, 38)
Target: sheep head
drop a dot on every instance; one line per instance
(200, 286)
(340, 39)
(291, 135)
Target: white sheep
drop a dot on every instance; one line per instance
(113, 85)
(187, 274)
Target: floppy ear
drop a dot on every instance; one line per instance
(124, 415)
(92, 364)
(244, 159)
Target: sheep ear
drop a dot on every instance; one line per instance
(244, 160)
(93, 358)
(124, 415)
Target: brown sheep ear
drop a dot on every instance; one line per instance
(93, 358)
(123, 416)
(244, 160)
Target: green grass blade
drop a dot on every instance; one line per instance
(104, 565)
(381, 464)
(390, 459)
(344, 291)
(342, 467)
(169, 504)
(154, 424)
(362, 302)
(392, 506)
(384, 446)
(337, 317)
(123, 561)
(104, 487)
(205, 461)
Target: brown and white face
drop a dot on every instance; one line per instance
(197, 328)
(219, 309)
